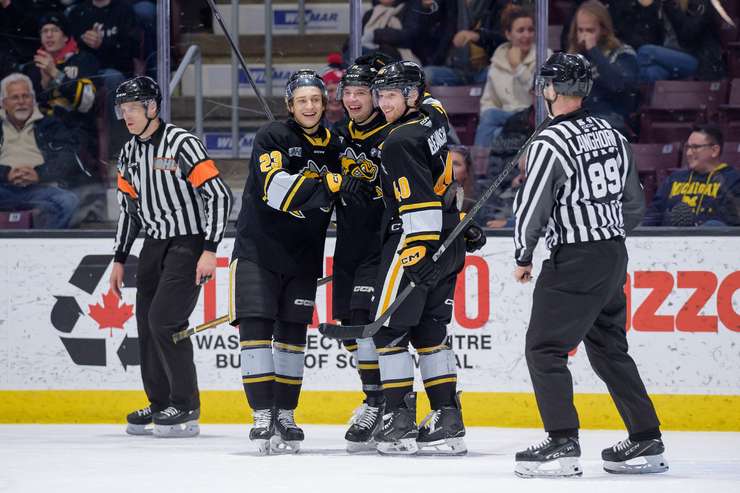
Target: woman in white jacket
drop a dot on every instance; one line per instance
(509, 81)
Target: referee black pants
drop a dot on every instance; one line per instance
(579, 296)
(166, 294)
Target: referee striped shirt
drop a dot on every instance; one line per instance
(168, 187)
(581, 186)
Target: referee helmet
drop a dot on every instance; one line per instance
(141, 89)
(569, 74)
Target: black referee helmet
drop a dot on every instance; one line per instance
(569, 74)
(140, 88)
(404, 75)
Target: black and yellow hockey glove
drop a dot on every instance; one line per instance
(418, 265)
(474, 236)
(352, 191)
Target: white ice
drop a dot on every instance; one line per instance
(102, 459)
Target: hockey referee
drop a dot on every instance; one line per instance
(168, 187)
(582, 187)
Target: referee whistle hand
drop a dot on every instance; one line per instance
(523, 274)
(116, 279)
(206, 267)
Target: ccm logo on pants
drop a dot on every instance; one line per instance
(301, 302)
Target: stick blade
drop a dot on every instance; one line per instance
(342, 332)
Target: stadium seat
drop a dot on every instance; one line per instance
(657, 156)
(649, 184)
(462, 104)
(729, 114)
(16, 220)
(731, 154)
(675, 106)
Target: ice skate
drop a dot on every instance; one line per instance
(139, 422)
(442, 431)
(398, 433)
(176, 423)
(364, 423)
(262, 430)
(287, 437)
(628, 457)
(552, 458)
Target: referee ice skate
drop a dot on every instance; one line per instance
(292, 184)
(168, 187)
(582, 187)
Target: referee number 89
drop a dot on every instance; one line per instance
(604, 178)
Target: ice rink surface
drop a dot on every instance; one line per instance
(102, 459)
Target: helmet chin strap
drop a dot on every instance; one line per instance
(148, 121)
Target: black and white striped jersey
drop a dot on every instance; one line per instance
(582, 185)
(168, 186)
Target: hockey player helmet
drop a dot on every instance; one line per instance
(356, 75)
(141, 89)
(569, 74)
(404, 75)
(304, 78)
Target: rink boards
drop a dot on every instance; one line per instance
(69, 352)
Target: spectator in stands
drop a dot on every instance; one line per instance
(146, 19)
(62, 77)
(35, 152)
(462, 170)
(479, 34)
(107, 29)
(500, 210)
(509, 81)
(614, 95)
(334, 110)
(705, 194)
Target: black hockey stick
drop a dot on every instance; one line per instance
(243, 62)
(184, 334)
(342, 332)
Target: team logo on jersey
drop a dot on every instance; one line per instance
(312, 170)
(358, 165)
(165, 164)
(295, 152)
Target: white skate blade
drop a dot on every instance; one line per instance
(648, 464)
(565, 467)
(280, 446)
(404, 446)
(263, 446)
(182, 430)
(360, 447)
(447, 446)
(140, 430)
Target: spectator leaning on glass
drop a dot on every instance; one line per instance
(705, 194)
(509, 76)
(614, 65)
(35, 152)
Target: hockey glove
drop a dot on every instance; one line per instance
(475, 238)
(418, 265)
(352, 191)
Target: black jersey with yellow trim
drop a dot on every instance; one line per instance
(358, 228)
(285, 206)
(416, 172)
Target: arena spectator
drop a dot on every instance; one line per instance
(510, 75)
(705, 194)
(146, 19)
(62, 78)
(614, 95)
(479, 34)
(334, 110)
(36, 151)
(462, 170)
(107, 29)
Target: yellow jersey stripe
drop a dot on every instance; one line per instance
(421, 237)
(368, 366)
(432, 349)
(419, 205)
(292, 193)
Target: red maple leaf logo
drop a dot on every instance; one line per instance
(113, 314)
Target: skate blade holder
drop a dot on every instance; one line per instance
(280, 446)
(360, 447)
(639, 465)
(404, 446)
(263, 446)
(447, 446)
(564, 467)
(181, 430)
(140, 430)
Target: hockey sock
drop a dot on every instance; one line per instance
(396, 374)
(258, 369)
(651, 434)
(439, 373)
(289, 348)
(367, 359)
(564, 433)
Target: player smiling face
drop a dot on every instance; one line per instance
(307, 106)
(358, 101)
(392, 103)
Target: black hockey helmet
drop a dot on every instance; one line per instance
(376, 60)
(404, 75)
(304, 78)
(356, 75)
(570, 75)
(140, 88)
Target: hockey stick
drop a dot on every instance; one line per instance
(184, 334)
(243, 62)
(342, 332)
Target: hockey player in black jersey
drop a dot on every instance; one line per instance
(357, 252)
(294, 180)
(417, 182)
